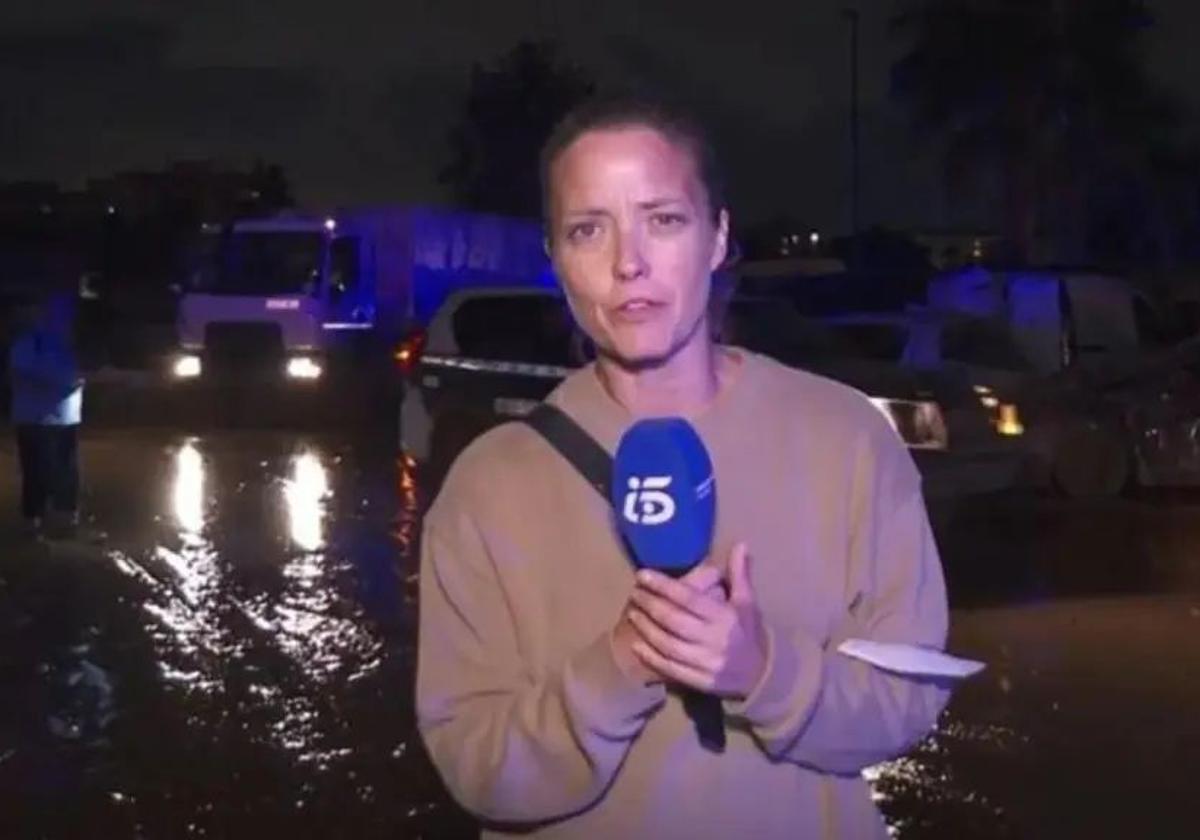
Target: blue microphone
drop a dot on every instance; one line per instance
(665, 497)
(664, 494)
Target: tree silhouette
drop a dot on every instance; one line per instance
(510, 110)
(271, 188)
(1048, 101)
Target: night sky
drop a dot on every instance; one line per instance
(354, 97)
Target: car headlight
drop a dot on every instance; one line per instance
(302, 367)
(919, 423)
(1008, 421)
(187, 367)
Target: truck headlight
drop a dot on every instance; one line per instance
(302, 367)
(187, 367)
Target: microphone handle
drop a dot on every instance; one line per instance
(704, 710)
(708, 716)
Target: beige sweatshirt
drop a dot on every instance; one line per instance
(529, 719)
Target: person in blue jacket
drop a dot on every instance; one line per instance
(47, 402)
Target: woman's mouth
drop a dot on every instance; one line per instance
(637, 310)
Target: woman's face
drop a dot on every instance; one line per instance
(634, 242)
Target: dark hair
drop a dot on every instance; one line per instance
(672, 121)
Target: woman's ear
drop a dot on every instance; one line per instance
(721, 242)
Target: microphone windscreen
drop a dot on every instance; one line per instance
(664, 494)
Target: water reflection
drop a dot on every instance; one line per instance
(187, 494)
(305, 493)
(311, 621)
(186, 582)
(187, 629)
(921, 787)
(270, 595)
(408, 520)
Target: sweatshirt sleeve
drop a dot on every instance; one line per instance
(512, 746)
(819, 708)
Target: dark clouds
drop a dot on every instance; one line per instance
(85, 45)
(354, 97)
(104, 93)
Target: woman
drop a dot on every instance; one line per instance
(549, 673)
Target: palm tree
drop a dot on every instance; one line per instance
(1049, 98)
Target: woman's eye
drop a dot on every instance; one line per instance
(582, 231)
(666, 221)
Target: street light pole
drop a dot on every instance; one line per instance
(851, 14)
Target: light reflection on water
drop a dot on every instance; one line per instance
(275, 646)
(408, 522)
(186, 582)
(305, 493)
(923, 778)
(187, 492)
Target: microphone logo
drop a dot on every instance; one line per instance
(647, 502)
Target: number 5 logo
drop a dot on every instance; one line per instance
(647, 502)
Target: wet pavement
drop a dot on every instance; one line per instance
(237, 656)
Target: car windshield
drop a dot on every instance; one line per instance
(879, 341)
(267, 263)
(536, 329)
(982, 344)
(774, 328)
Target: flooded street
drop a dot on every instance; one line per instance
(236, 657)
(1084, 723)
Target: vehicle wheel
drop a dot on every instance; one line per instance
(1090, 461)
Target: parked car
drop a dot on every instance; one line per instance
(1088, 431)
(1140, 431)
(972, 364)
(491, 354)
(981, 448)
(488, 355)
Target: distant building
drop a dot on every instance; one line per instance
(197, 188)
(23, 199)
(783, 237)
(125, 228)
(956, 248)
(791, 267)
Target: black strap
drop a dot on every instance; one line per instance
(579, 448)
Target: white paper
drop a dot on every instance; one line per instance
(910, 659)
